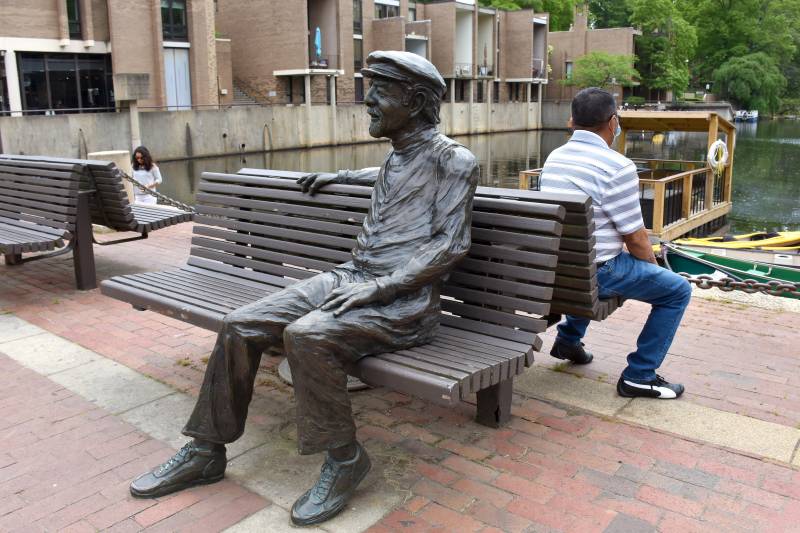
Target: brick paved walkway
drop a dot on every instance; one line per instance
(551, 469)
(66, 464)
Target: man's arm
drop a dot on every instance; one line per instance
(638, 244)
(451, 231)
(620, 201)
(311, 183)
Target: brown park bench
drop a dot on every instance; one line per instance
(41, 207)
(576, 292)
(109, 206)
(255, 232)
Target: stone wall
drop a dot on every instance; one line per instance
(213, 132)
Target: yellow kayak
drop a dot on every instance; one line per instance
(781, 241)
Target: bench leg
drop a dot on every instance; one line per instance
(82, 253)
(13, 259)
(494, 404)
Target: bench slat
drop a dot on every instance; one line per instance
(208, 201)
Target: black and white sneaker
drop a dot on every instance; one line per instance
(658, 388)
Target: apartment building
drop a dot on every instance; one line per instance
(283, 52)
(580, 40)
(78, 56)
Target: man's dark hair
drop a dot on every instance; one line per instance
(592, 107)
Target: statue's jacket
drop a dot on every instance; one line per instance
(417, 228)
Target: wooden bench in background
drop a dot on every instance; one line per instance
(256, 233)
(41, 207)
(110, 206)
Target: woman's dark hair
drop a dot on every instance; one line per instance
(148, 159)
(592, 107)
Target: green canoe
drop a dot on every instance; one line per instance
(695, 263)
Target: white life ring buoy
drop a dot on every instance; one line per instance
(717, 156)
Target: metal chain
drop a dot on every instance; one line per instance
(750, 286)
(165, 199)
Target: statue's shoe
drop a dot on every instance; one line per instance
(337, 483)
(192, 465)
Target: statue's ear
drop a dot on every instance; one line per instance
(417, 103)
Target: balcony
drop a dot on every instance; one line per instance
(462, 70)
(485, 71)
(322, 62)
(538, 69)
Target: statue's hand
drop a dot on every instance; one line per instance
(314, 182)
(351, 295)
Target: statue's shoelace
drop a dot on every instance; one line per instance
(179, 458)
(325, 482)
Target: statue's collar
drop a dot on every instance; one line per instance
(413, 139)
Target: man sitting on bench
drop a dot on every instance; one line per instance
(587, 164)
(385, 299)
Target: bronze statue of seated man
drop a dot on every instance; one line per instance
(385, 299)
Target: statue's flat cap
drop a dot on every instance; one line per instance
(404, 66)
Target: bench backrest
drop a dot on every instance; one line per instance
(259, 225)
(41, 193)
(576, 291)
(109, 206)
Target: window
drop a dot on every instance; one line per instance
(382, 11)
(357, 17)
(412, 12)
(173, 20)
(4, 105)
(462, 89)
(358, 54)
(479, 91)
(74, 19)
(359, 89)
(66, 83)
(514, 90)
(496, 92)
(568, 70)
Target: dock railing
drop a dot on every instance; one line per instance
(676, 196)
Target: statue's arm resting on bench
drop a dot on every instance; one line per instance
(311, 183)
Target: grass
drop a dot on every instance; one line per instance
(561, 367)
(184, 362)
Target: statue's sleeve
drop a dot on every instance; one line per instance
(451, 232)
(366, 176)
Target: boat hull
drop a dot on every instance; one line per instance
(695, 263)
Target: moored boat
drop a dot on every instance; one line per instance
(695, 263)
(782, 241)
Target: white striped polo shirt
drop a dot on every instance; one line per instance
(587, 164)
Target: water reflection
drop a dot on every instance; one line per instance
(766, 188)
(501, 157)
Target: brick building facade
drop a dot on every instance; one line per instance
(578, 41)
(68, 56)
(317, 47)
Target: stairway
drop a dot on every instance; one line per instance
(242, 98)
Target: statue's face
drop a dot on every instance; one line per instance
(388, 114)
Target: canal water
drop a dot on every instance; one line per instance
(766, 180)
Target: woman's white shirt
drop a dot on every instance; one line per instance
(146, 177)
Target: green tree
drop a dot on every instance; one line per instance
(667, 43)
(600, 69)
(609, 13)
(735, 28)
(752, 81)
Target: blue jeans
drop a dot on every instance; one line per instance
(635, 279)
